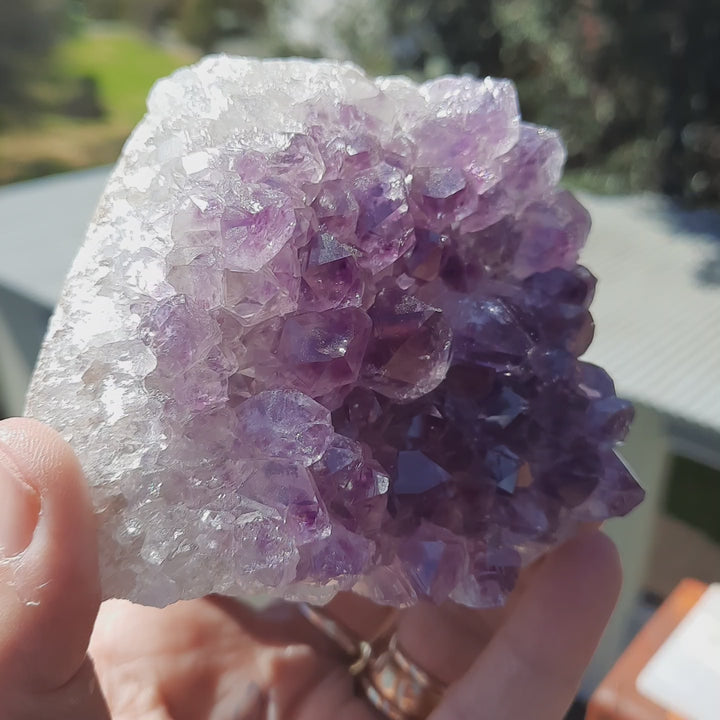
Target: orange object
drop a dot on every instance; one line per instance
(617, 698)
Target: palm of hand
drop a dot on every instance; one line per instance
(214, 659)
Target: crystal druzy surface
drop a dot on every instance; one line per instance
(324, 334)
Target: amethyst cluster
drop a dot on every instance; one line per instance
(324, 335)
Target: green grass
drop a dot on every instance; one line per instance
(694, 496)
(125, 66)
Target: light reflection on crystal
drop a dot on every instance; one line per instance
(354, 315)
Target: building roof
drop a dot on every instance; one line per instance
(42, 223)
(657, 307)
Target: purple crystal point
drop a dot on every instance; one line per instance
(336, 211)
(325, 335)
(410, 350)
(353, 485)
(425, 259)
(270, 291)
(331, 276)
(533, 165)
(324, 351)
(488, 332)
(283, 424)
(255, 226)
(461, 111)
(417, 473)
(289, 489)
(433, 561)
(384, 229)
(552, 234)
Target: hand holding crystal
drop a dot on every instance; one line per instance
(63, 656)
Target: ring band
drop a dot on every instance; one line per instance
(398, 688)
(357, 651)
(391, 682)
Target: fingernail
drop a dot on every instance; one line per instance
(19, 510)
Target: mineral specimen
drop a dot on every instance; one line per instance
(324, 335)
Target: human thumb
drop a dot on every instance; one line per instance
(49, 586)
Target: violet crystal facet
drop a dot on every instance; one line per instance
(324, 335)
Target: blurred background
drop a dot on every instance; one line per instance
(633, 84)
(634, 87)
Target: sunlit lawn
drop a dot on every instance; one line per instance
(124, 66)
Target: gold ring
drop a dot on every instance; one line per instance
(397, 687)
(357, 651)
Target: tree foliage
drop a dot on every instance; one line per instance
(198, 22)
(204, 22)
(29, 31)
(149, 15)
(105, 9)
(634, 85)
